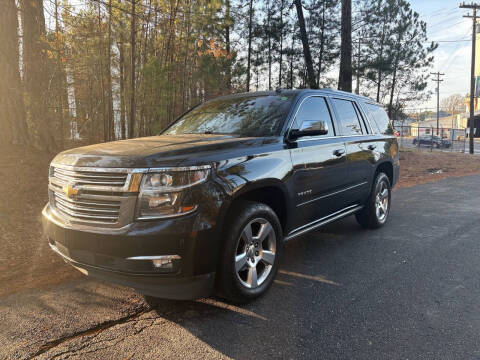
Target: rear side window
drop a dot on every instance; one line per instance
(313, 110)
(380, 119)
(348, 117)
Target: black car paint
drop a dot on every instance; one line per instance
(315, 177)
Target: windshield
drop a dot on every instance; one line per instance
(261, 115)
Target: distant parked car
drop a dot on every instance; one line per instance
(435, 141)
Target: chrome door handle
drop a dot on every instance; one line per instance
(339, 152)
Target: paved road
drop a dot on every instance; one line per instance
(408, 291)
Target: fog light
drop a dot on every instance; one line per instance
(163, 263)
(158, 261)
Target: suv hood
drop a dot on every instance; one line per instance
(157, 151)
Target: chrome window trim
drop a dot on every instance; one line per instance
(298, 108)
(334, 137)
(326, 96)
(357, 110)
(367, 116)
(361, 110)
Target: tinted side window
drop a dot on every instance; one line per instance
(380, 119)
(313, 110)
(348, 116)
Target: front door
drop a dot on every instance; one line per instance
(319, 165)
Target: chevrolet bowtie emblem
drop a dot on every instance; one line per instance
(70, 191)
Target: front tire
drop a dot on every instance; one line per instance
(251, 252)
(377, 208)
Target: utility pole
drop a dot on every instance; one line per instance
(437, 80)
(474, 8)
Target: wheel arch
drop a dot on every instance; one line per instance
(271, 192)
(387, 168)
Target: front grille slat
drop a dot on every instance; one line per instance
(76, 214)
(90, 178)
(84, 208)
(96, 202)
(88, 202)
(91, 174)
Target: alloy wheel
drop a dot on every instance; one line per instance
(382, 201)
(255, 253)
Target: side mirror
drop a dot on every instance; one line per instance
(309, 128)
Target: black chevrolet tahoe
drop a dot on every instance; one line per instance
(208, 204)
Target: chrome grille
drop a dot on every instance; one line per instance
(87, 210)
(90, 177)
(102, 195)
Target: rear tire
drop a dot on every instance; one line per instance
(377, 208)
(253, 244)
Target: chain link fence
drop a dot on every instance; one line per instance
(427, 138)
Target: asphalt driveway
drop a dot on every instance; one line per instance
(410, 290)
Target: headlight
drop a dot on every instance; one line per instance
(164, 192)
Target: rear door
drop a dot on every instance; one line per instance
(361, 147)
(319, 164)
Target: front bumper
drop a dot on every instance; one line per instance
(107, 254)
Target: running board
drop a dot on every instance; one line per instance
(323, 221)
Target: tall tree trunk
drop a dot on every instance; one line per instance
(36, 75)
(322, 45)
(110, 115)
(345, 76)
(280, 60)
(249, 55)
(131, 123)
(380, 60)
(306, 47)
(269, 36)
(59, 83)
(394, 76)
(121, 65)
(291, 61)
(227, 42)
(102, 80)
(12, 110)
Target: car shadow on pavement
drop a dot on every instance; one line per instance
(284, 321)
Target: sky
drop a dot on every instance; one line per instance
(446, 25)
